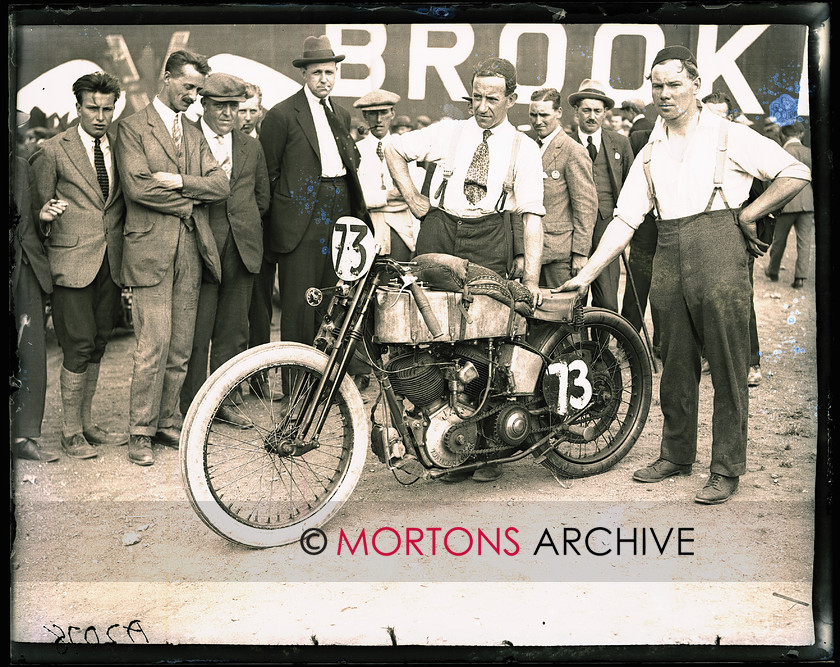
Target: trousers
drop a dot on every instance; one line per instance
(164, 325)
(640, 263)
(803, 225)
(701, 286)
(605, 286)
(84, 318)
(484, 242)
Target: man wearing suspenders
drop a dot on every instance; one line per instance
(486, 178)
(695, 174)
(483, 169)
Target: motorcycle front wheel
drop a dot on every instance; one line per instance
(620, 375)
(248, 474)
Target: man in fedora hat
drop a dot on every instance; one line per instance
(393, 222)
(700, 271)
(312, 162)
(221, 322)
(611, 159)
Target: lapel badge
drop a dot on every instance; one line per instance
(617, 156)
(555, 174)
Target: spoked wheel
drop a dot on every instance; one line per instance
(618, 371)
(251, 474)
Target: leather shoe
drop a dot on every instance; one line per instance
(661, 469)
(754, 376)
(798, 283)
(774, 277)
(140, 450)
(168, 437)
(77, 447)
(99, 436)
(488, 473)
(718, 489)
(230, 415)
(27, 448)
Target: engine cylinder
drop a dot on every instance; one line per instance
(416, 377)
(479, 359)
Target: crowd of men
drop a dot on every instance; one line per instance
(201, 219)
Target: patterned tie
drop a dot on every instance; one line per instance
(340, 135)
(101, 172)
(475, 182)
(379, 152)
(593, 152)
(176, 133)
(226, 165)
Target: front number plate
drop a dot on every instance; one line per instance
(566, 386)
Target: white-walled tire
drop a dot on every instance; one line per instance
(237, 480)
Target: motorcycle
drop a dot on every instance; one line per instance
(466, 378)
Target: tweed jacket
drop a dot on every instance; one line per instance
(154, 213)
(242, 212)
(90, 226)
(570, 199)
(290, 143)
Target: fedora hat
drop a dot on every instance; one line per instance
(317, 50)
(590, 89)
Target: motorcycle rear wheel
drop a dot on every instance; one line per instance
(239, 480)
(619, 369)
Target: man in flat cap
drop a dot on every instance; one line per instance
(393, 222)
(700, 279)
(611, 159)
(169, 177)
(312, 162)
(465, 216)
(221, 323)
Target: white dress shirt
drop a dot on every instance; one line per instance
(596, 139)
(331, 164)
(220, 146)
(167, 115)
(88, 142)
(684, 185)
(436, 142)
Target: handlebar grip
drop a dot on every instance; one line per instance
(426, 310)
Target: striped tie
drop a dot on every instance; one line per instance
(101, 172)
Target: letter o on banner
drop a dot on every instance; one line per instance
(555, 66)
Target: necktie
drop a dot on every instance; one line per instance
(475, 181)
(593, 152)
(380, 153)
(176, 133)
(101, 172)
(339, 134)
(539, 142)
(226, 165)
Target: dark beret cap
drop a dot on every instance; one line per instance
(674, 53)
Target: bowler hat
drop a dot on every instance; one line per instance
(377, 100)
(317, 50)
(224, 88)
(590, 89)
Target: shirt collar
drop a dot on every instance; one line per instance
(550, 137)
(313, 100)
(166, 114)
(210, 134)
(596, 137)
(707, 119)
(88, 140)
(500, 129)
(792, 140)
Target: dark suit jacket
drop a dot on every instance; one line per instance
(571, 201)
(78, 239)
(154, 213)
(642, 125)
(242, 211)
(290, 144)
(27, 237)
(619, 157)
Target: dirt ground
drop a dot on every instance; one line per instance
(106, 550)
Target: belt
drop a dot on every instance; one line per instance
(332, 179)
(471, 221)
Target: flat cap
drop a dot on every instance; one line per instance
(377, 100)
(224, 88)
(674, 53)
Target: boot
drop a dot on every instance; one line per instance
(72, 392)
(93, 433)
